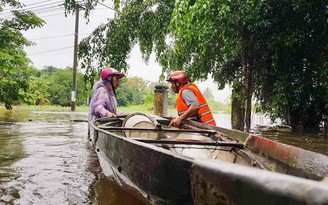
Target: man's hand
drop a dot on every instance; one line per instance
(176, 122)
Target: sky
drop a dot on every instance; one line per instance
(54, 43)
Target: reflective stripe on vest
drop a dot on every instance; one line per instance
(204, 112)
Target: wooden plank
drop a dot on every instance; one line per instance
(110, 128)
(192, 142)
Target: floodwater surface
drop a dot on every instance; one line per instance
(46, 158)
(313, 141)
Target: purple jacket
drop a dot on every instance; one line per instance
(103, 100)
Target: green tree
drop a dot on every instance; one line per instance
(49, 70)
(254, 46)
(132, 91)
(59, 86)
(14, 64)
(142, 22)
(249, 44)
(292, 83)
(36, 94)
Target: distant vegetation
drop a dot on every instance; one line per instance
(50, 89)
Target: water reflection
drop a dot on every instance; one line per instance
(48, 160)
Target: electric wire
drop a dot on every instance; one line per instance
(31, 8)
(37, 9)
(56, 14)
(108, 7)
(59, 49)
(50, 37)
(58, 36)
(48, 7)
(8, 9)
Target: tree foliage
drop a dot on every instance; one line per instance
(132, 91)
(59, 86)
(36, 94)
(295, 87)
(142, 22)
(14, 64)
(275, 50)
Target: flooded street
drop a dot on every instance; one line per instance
(46, 158)
(49, 160)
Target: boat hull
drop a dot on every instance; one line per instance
(158, 175)
(279, 157)
(150, 173)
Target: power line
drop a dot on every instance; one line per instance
(7, 9)
(31, 8)
(59, 8)
(108, 7)
(59, 49)
(62, 13)
(37, 12)
(58, 36)
(38, 9)
(44, 6)
(48, 37)
(37, 3)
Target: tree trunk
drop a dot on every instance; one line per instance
(237, 108)
(325, 128)
(296, 120)
(248, 92)
(246, 79)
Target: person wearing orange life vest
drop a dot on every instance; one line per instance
(190, 102)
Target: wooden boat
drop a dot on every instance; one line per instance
(203, 164)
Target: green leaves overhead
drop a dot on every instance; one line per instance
(277, 49)
(136, 22)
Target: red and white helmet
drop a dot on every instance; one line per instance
(110, 71)
(181, 76)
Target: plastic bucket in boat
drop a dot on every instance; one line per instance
(140, 120)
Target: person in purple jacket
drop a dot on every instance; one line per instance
(103, 102)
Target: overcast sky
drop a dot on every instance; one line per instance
(55, 41)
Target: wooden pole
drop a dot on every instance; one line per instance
(161, 100)
(76, 35)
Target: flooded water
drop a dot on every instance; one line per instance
(48, 160)
(314, 141)
(45, 158)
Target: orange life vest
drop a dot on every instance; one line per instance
(204, 113)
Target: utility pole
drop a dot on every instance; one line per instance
(76, 35)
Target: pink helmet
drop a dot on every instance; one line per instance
(181, 76)
(110, 71)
